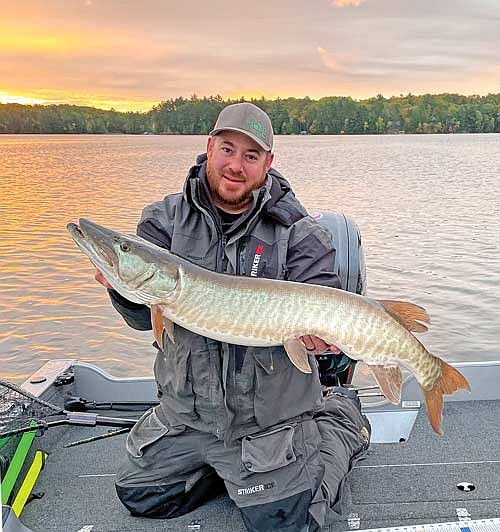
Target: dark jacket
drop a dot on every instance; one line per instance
(229, 390)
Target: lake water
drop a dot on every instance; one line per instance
(427, 207)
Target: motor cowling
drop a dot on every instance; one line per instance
(350, 267)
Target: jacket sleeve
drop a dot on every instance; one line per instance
(135, 315)
(311, 254)
(155, 226)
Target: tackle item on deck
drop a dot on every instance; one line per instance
(20, 412)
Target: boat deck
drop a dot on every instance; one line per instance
(412, 482)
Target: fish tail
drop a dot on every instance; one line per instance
(449, 382)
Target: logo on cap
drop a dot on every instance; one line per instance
(258, 128)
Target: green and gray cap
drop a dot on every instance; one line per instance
(248, 119)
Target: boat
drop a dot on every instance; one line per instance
(411, 480)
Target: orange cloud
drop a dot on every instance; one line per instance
(26, 40)
(327, 59)
(16, 38)
(40, 64)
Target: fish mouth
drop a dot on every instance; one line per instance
(75, 231)
(95, 241)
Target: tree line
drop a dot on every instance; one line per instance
(332, 115)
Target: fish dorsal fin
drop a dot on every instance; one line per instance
(161, 323)
(409, 315)
(297, 353)
(390, 380)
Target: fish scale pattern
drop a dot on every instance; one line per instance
(246, 312)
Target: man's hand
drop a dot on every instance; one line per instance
(99, 277)
(316, 346)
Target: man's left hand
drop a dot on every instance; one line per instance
(316, 346)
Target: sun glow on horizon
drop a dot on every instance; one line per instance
(89, 101)
(24, 100)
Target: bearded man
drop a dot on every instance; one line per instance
(235, 418)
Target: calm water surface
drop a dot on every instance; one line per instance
(427, 207)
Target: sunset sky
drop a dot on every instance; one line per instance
(132, 54)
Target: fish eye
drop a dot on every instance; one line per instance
(124, 247)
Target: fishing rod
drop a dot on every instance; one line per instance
(99, 437)
(21, 411)
(79, 404)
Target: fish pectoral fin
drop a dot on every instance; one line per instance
(161, 323)
(297, 353)
(157, 323)
(390, 380)
(409, 315)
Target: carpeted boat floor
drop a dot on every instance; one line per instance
(397, 484)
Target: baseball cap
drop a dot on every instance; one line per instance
(248, 119)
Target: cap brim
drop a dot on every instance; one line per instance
(259, 141)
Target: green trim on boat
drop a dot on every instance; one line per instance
(29, 482)
(16, 464)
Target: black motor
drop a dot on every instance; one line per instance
(336, 370)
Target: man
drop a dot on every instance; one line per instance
(243, 418)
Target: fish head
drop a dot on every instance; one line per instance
(139, 270)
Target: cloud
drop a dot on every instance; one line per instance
(327, 59)
(124, 50)
(348, 3)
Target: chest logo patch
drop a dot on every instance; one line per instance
(256, 260)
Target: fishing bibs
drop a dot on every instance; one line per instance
(279, 470)
(287, 477)
(146, 431)
(168, 476)
(292, 476)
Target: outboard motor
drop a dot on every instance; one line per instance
(337, 370)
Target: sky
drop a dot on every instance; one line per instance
(132, 54)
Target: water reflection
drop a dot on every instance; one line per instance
(427, 206)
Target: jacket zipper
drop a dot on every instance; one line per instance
(224, 256)
(223, 240)
(239, 259)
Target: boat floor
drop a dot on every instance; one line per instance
(398, 484)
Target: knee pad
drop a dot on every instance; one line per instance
(291, 513)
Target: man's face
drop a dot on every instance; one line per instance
(236, 166)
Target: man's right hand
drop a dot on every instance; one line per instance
(99, 277)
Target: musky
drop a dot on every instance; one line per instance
(132, 54)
